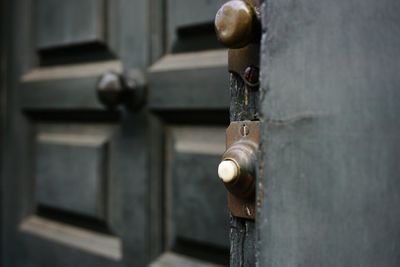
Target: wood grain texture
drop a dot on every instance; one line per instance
(331, 147)
(244, 106)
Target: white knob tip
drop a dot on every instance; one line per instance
(227, 171)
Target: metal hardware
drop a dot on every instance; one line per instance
(238, 166)
(239, 60)
(238, 27)
(234, 24)
(114, 89)
(237, 24)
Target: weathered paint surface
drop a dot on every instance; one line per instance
(242, 234)
(331, 145)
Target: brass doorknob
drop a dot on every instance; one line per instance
(236, 24)
(114, 89)
(237, 168)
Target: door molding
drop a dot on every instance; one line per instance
(3, 80)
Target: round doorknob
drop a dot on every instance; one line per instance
(114, 89)
(237, 168)
(109, 89)
(236, 24)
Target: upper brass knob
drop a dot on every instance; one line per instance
(234, 24)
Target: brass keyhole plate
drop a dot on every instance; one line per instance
(237, 131)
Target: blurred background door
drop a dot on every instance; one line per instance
(86, 185)
(189, 95)
(3, 29)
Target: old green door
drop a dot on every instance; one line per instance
(76, 176)
(189, 97)
(329, 187)
(86, 185)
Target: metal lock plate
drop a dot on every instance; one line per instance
(242, 131)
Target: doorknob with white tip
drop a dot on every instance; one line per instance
(228, 170)
(237, 169)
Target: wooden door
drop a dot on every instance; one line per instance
(86, 185)
(330, 182)
(76, 173)
(3, 72)
(189, 96)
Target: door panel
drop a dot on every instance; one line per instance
(66, 235)
(80, 191)
(191, 25)
(83, 30)
(102, 187)
(68, 87)
(71, 168)
(89, 25)
(181, 13)
(196, 204)
(189, 81)
(188, 92)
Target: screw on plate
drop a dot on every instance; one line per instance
(251, 74)
(244, 130)
(248, 211)
(238, 166)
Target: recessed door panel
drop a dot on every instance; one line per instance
(79, 186)
(72, 169)
(63, 23)
(191, 25)
(197, 201)
(188, 92)
(192, 12)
